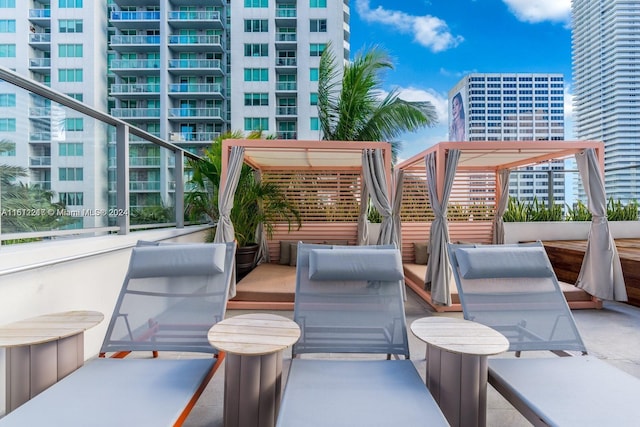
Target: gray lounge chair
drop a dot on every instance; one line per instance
(513, 289)
(170, 298)
(349, 301)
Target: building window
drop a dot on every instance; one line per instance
(70, 75)
(7, 50)
(256, 123)
(256, 25)
(7, 125)
(70, 25)
(256, 3)
(313, 98)
(317, 3)
(256, 49)
(314, 74)
(316, 49)
(9, 149)
(7, 25)
(256, 74)
(70, 149)
(76, 96)
(256, 99)
(72, 199)
(70, 4)
(7, 99)
(315, 123)
(7, 4)
(70, 174)
(318, 25)
(70, 51)
(74, 124)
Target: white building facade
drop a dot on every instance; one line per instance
(606, 57)
(513, 107)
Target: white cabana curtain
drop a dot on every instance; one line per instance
(397, 205)
(261, 233)
(501, 206)
(363, 224)
(375, 178)
(601, 271)
(439, 273)
(225, 231)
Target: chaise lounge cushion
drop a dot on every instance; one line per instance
(364, 264)
(502, 261)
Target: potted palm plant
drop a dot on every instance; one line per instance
(256, 202)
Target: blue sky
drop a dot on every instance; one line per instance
(435, 43)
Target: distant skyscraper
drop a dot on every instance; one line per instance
(512, 107)
(606, 79)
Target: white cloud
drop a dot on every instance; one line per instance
(427, 30)
(568, 102)
(438, 100)
(540, 10)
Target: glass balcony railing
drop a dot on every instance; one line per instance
(194, 40)
(77, 164)
(286, 62)
(40, 13)
(288, 134)
(40, 62)
(126, 16)
(195, 112)
(135, 40)
(208, 88)
(286, 111)
(193, 15)
(39, 38)
(286, 37)
(286, 12)
(134, 64)
(135, 88)
(195, 63)
(193, 136)
(286, 86)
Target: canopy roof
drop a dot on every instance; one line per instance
(496, 155)
(281, 154)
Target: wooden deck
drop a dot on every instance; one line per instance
(566, 257)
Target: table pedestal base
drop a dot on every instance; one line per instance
(458, 382)
(31, 369)
(252, 390)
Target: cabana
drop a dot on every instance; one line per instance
(328, 182)
(473, 177)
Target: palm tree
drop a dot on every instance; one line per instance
(351, 106)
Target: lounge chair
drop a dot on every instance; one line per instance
(513, 289)
(171, 296)
(349, 300)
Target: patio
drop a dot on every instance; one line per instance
(612, 334)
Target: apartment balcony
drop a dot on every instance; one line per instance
(195, 113)
(136, 113)
(289, 134)
(39, 161)
(286, 62)
(41, 17)
(286, 40)
(134, 67)
(187, 43)
(135, 90)
(39, 112)
(40, 65)
(196, 90)
(180, 137)
(141, 20)
(195, 20)
(148, 161)
(139, 43)
(286, 16)
(195, 67)
(45, 185)
(40, 137)
(286, 86)
(144, 186)
(286, 111)
(40, 41)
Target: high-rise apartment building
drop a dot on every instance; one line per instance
(183, 70)
(62, 44)
(513, 107)
(606, 59)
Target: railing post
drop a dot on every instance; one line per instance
(122, 178)
(178, 172)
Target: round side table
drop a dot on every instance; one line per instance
(254, 344)
(457, 352)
